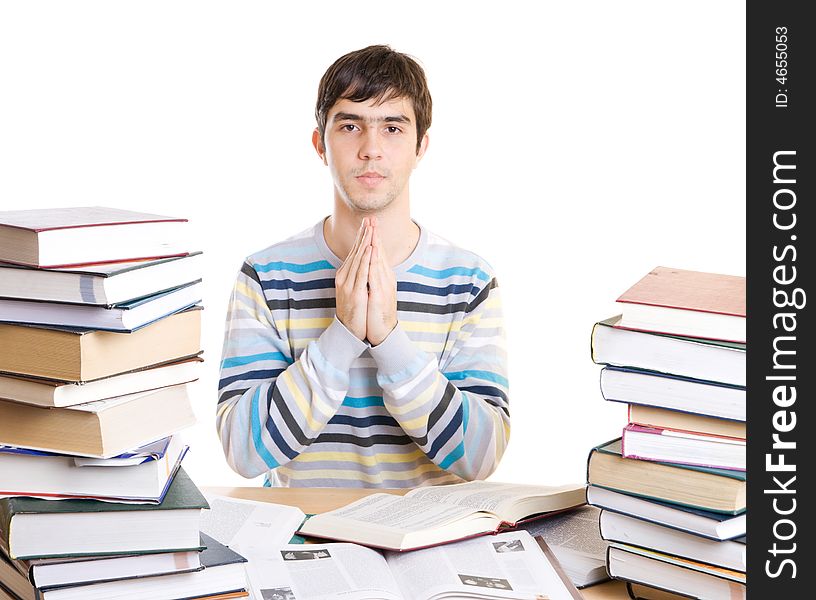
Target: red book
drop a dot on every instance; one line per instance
(686, 303)
(62, 237)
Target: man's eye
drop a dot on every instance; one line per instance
(348, 127)
(393, 129)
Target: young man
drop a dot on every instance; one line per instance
(365, 351)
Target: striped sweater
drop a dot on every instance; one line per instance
(304, 400)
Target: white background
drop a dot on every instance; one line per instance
(575, 148)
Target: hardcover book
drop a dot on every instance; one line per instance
(433, 515)
(715, 490)
(61, 237)
(34, 528)
(55, 393)
(100, 284)
(672, 392)
(86, 354)
(687, 303)
(704, 360)
(673, 574)
(100, 429)
(715, 526)
(123, 317)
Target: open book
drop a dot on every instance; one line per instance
(511, 565)
(438, 514)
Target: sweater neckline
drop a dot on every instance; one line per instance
(336, 261)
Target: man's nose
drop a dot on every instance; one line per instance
(370, 147)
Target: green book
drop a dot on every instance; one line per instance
(715, 490)
(35, 528)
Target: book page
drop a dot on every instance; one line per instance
(576, 530)
(575, 539)
(508, 565)
(397, 512)
(250, 527)
(483, 495)
(321, 572)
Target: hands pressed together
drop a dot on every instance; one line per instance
(366, 287)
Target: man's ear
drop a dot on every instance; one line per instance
(423, 147)
(317, 142)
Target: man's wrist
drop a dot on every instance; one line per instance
(340, 346)
(392, 354)
(379, 340)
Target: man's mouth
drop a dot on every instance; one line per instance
(370, 178)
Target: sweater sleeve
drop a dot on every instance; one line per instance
(270, 406)
(457, 412)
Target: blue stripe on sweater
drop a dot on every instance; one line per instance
(476, 374)
(279, 265)
(240, 361)
(445, 273)
(256, 433)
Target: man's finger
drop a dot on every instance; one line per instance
(359, 239)
(363, 270)
(358, 256)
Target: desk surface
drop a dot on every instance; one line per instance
(317, 500)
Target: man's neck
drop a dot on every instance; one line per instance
(398, 232)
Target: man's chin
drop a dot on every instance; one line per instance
(369, 204)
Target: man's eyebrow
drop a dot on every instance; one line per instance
(344, 116)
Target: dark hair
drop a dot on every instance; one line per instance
(377, 73)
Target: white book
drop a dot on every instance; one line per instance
(675, 575)
(53, 393)
(120, 317)
(673, 393)
(60, 237)
(721, 362)
(57, 476)
(624, 529)
(50, 572)
(683, 447)
(102, 284)
(715, 526)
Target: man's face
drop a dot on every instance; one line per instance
(371, 150)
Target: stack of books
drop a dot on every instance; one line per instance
(672, 487)
(100, 322)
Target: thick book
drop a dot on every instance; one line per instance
(575, 541)
(221, 572)
(638, 591)
(55, 393)
(100, 429)
(74, 354)
(435, 515)
(715, 490)
(61, 237)
(124, 317)
(102, 284)
(715, 526)
(723, 362)
(54, 572)
(660, 390)
(510, 566)
(624, 529)
(142, 477)
(673, 574)
(664, 418)
(683, 447)
(687, 303)
(34, 528)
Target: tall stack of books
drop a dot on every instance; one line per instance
(672, 487)
(99, 336)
